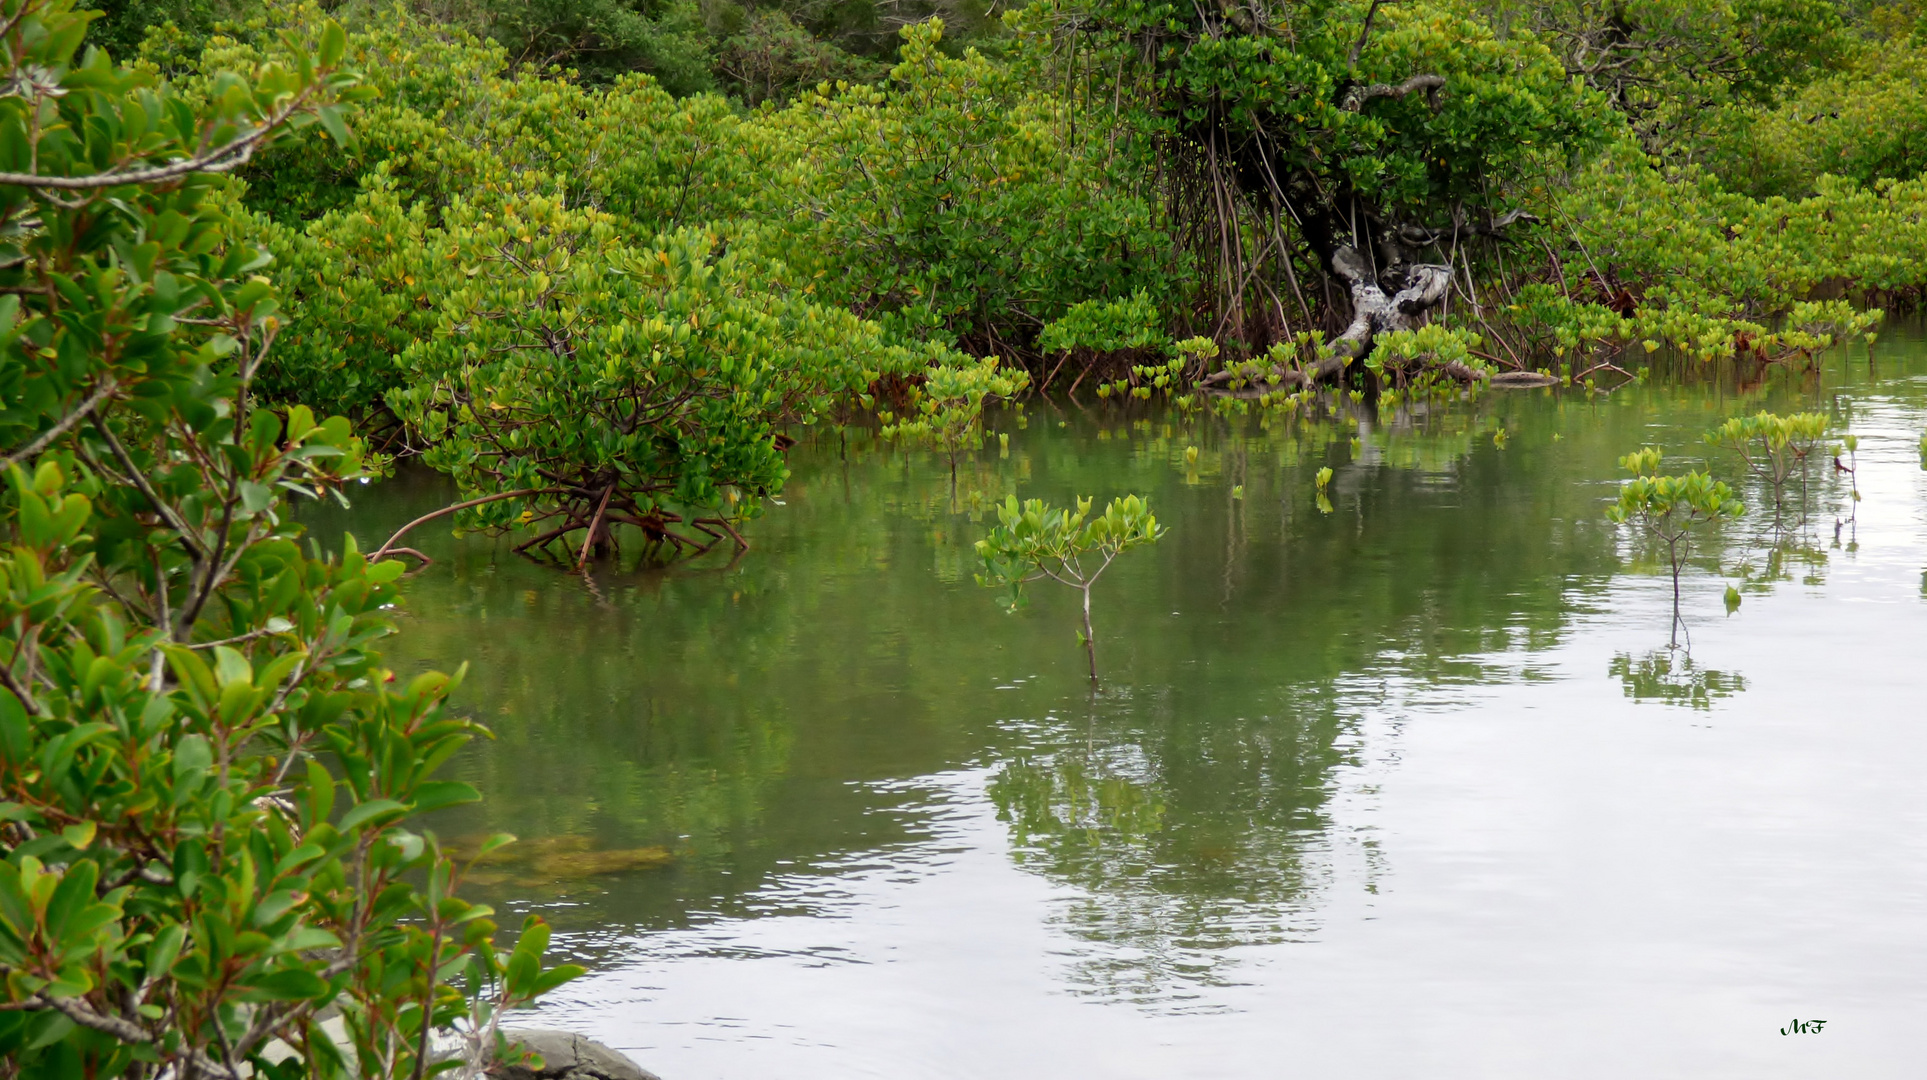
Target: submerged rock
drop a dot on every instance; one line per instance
(572, 864)
(1525, 378)
(565, 1056)
(565, 857)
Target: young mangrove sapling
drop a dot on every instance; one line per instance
(1668, 508)
(1036, 540)
(1772, 447)
(949, 409)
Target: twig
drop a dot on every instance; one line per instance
(139, 479)
(225, 159)
(66, 424)
(1364, 32)
(127, 1031)
(19, 691)
(446, 510)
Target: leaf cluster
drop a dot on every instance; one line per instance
(1034, 540)
(206, 776)
(1771, 447)
(948, 409)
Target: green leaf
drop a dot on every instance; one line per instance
(255, 497)
(495, 842)
(320, 793)
(289, 984)
(330, 118)
(75, 891)
(231, 668)
(334, 43)
(372, 810)
(164, 949)
(193, 756)
(555, 977)
(16, 744)
(435, 794)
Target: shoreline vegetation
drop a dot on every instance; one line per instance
(600, 263)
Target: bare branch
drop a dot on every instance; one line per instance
(446, 510)
(67, 423)
(223, 159)
(1364, 32)
(1419, 235)
(589, 540)
(19, 691)
(129, 1032)
(1357, 96)
(139, 480)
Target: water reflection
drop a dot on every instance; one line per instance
(839, 753)
(1670, 676)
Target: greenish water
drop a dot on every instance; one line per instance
(1410, 787)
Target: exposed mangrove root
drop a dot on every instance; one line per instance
(660, 529)
(592, 511)
(411, 553)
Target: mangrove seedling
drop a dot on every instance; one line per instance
(1773, 448)
(1036, 540)
(1850, 446)
(949, 409)
(1669, 508)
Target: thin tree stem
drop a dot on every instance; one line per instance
(446, 510)
(1090, 636)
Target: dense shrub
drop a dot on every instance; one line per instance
(207, 779)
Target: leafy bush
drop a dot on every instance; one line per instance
(1865, 123)
(604, 383)
(364, 277)
(772, 59)
(1772, 448)
(206, 777)
(1104, 326)
(1710, 269)
(1425, 354)
(1670, 66)
(953, 202)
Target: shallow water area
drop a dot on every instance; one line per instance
(1410, 787)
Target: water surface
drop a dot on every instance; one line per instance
(1413, 787)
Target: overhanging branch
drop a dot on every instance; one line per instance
(446, 510)
(127, 1031)
(65, 424)
(1357, 96)
(224, 158)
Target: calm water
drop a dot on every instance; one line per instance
(1409, 788)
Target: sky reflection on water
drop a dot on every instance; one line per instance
(1413, 788)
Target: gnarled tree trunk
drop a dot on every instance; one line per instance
(1419, 288)
(1416, 289)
